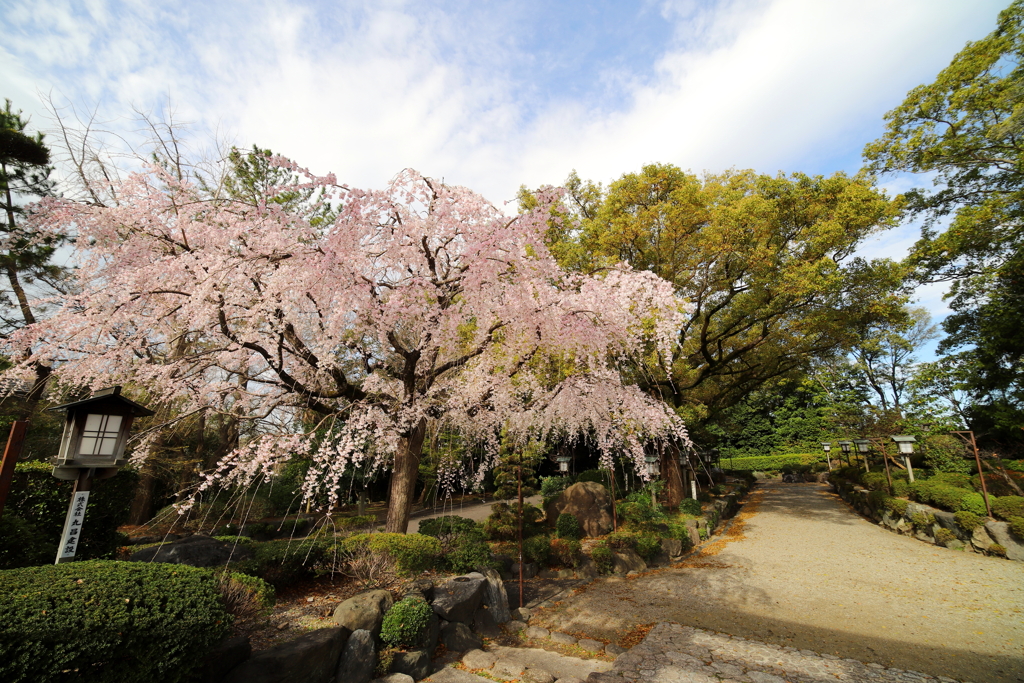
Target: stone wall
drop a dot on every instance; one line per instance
(980, 540)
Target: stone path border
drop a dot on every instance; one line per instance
(681, 654)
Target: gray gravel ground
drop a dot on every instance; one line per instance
(809, 573)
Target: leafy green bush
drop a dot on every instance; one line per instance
(284, 562)
(355, 522)
(244, 595)
(1005, 507)
(551, 487)
(412, 553)
(900, 487)
(968, 521)
(997, 550)
(922, 520)
(261, 531)
(877, 500)
(568, 526)
(503, 522)
(601, 554)
(647, 546)
(463, 543)
(537, 549)
(641, 511)
(105, 621)
(765, 463)
(690, 506)
(565, 552)
(407, 622)
(37, 496)
(896, 506)
(1017, 526)
(945, 454)
(621, 540)
(597, 476)
(23, 545)
(973, 502)
(944, 536)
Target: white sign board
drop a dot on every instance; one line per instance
(73, 527)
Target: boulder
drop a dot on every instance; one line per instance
(485, 625)
(980, 539)
(495, 597)
(672, 548)
(225, 657)
(421, 587)
(587, 568)
(478, 659)
(196, 551)
(364, 611)
(310, 658)
(625, 561)
(395, 678)
(457, 637)
(358, 659)
(589, 502)
(434, 632)
(537, 676)
(458, 598)
(1000, 532)
(415, 663)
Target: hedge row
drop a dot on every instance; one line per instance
(37, 505)
(106, 621)
(765, 463)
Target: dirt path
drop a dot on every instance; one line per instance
(799, 568)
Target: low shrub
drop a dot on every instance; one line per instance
(551, 487)
(537, 549)
(245, 596)
(922, 520)
(877, 500)
(1005, 507)
(565, 552)
(261, 531)
(690, 506)
(944, 536)
(22, 544)
(678, 530)
(568, 526)
(641, 511)
(900, 487)
(973, 502)
(503, 522)
(876, 481)
(407, 623)
(997, 550)
(897, 506)
(968, 521)
(647, 546)
(106, 621)
(712, 516)
(601, 554)
(621, 540)
(1017, 526)
(355, 522)
(597, 476)
(284, 562)
(412, 553)
(463, 543)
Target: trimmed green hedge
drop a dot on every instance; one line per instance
(765, 463)
(104, 621)
(42, 502)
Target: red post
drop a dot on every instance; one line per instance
(11, 454)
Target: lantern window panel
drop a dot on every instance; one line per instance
(100, 434)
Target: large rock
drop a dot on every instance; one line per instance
(225, 657)
(359, 658)
(196, 551)
(495, 597)
(589, 502)
(310, 658)
(457, 637)
(458, 598)
(1000, 531)
(980, 539)
(484, 624)
(364, 611)
(415, 663)
(625, 561)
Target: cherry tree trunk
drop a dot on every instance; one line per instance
(674, 487)
(403, 479)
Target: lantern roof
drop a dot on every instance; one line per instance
(108, 395)
(901, 438)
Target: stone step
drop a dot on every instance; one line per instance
(450, 675)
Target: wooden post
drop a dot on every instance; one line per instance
(519, 473)
(12, 452)
(76, 516)
(888, 475)
(981, 472)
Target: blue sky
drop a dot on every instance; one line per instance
(493, 95)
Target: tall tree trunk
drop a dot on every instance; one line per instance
(674, 490)
(142, 503)
(403, 479)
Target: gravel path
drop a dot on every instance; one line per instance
(799, 569)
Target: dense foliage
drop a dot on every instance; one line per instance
(107, 621)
